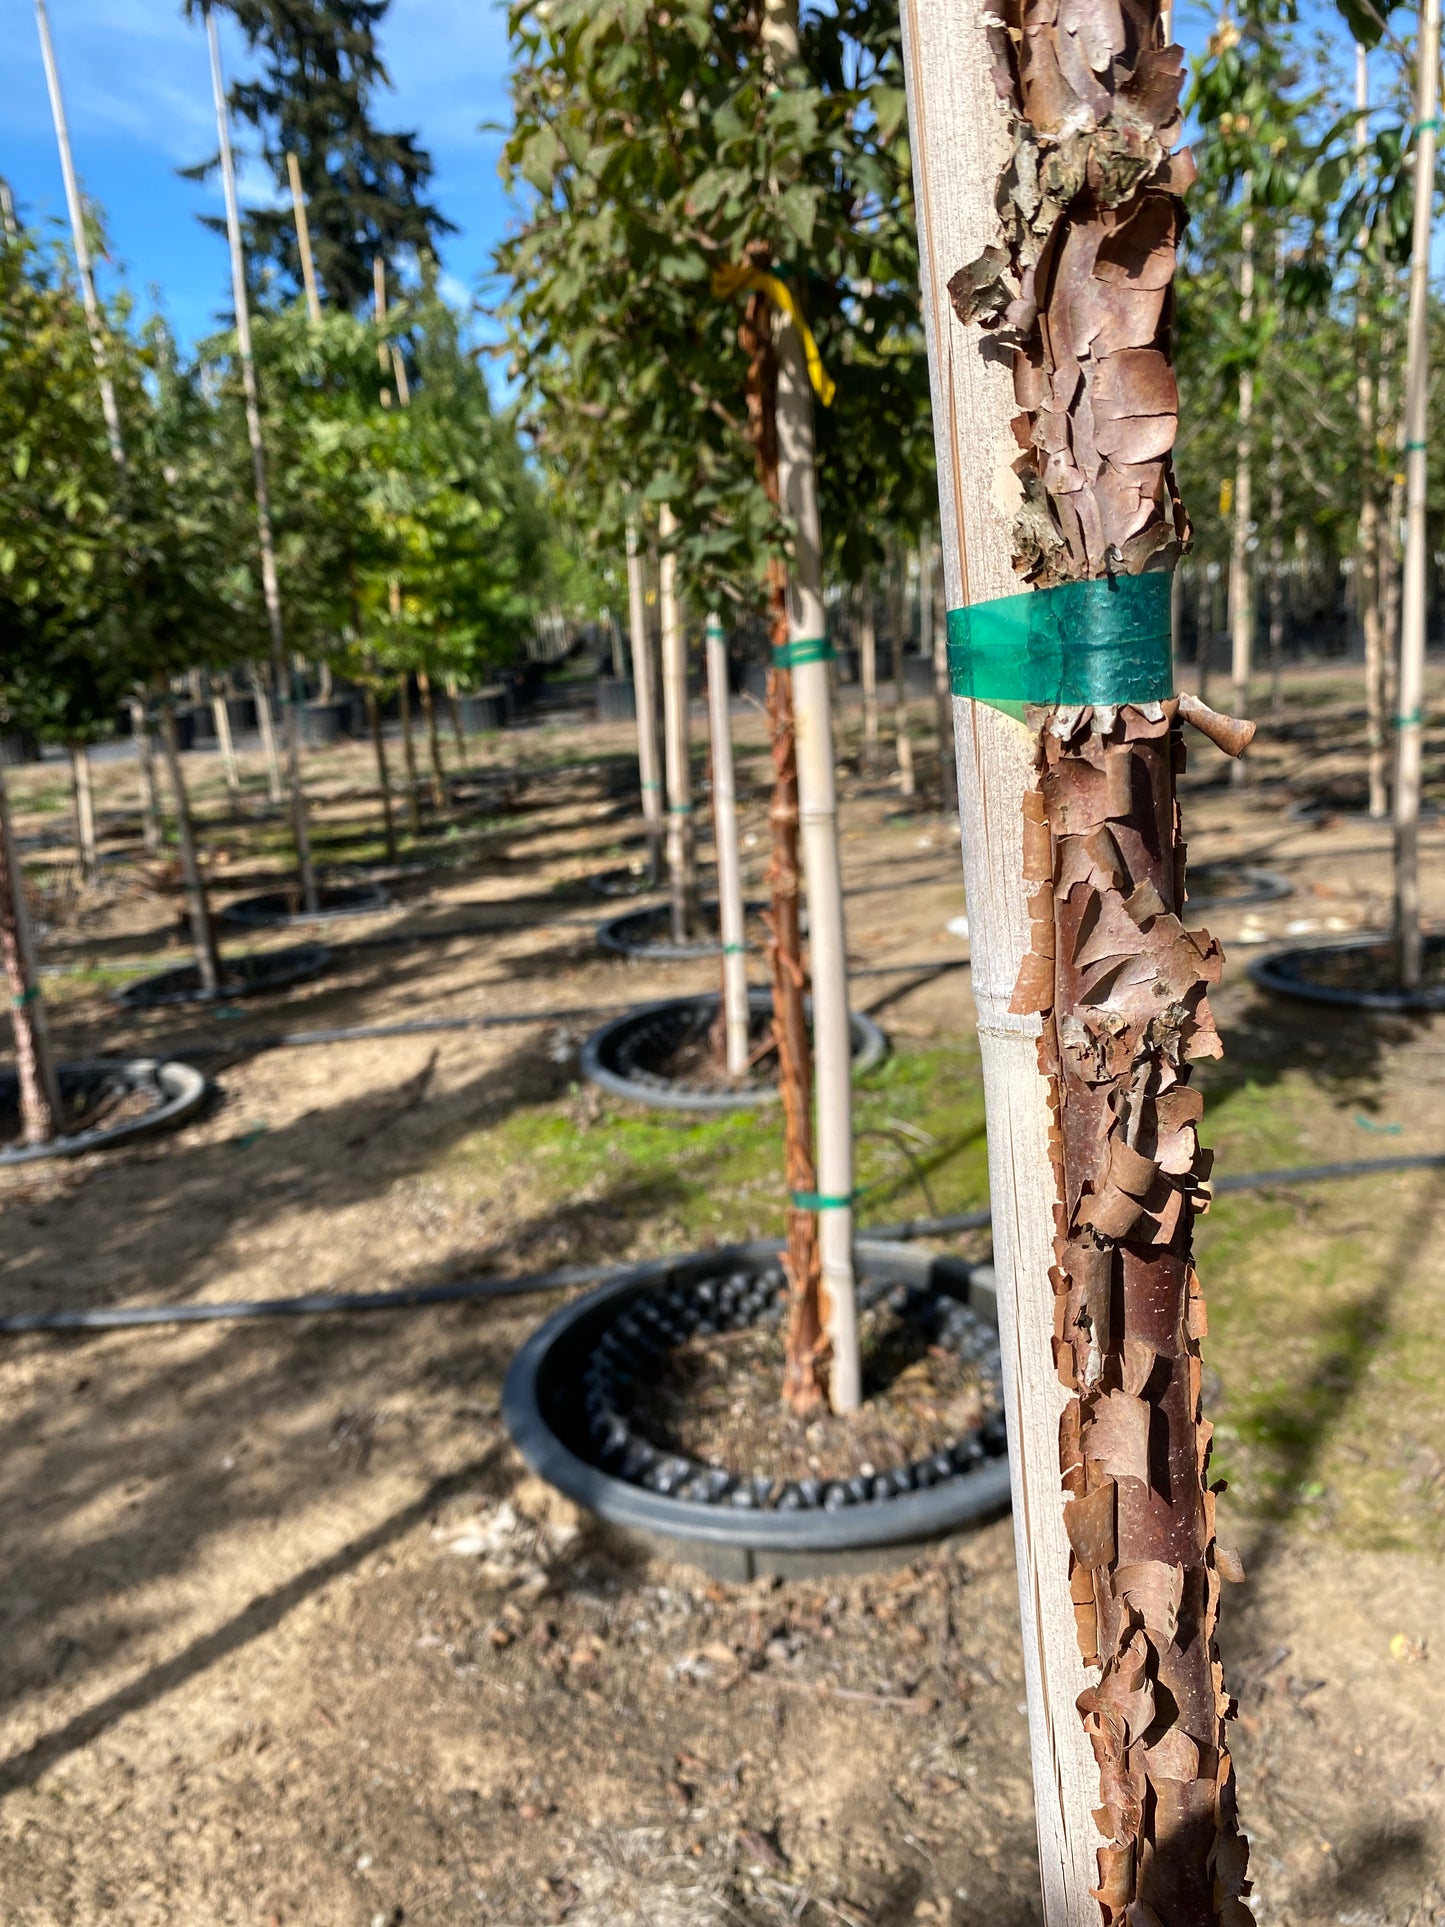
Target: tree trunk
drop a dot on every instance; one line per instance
(729, 864)
(408, 752)
(83, 797)
(1241, 575)
(935, 632)
(433, 741)
(644, 689)
(41, 1114)
(203, 933)
(1368, 576)
(266, 725)
(222, 716)
(681, 837)
(150, 820)
(868, 676)
(383, 775)
(898, 625)
(1410, 720)
(456, 719)
(1088, 1010)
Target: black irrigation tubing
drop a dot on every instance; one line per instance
(565, 1277)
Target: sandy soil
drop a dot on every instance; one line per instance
(290, 1638)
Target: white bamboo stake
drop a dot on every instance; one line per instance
(681, 857)
(822, 872)
(303, 239)
(868, 677)
(644, 690)
(729, 862)
(203, 931)
(7, 212)
(1410, 721)
(936, 630)
(76, 210)
(961, 141)
(268, 734)
(390, 354)
(226, 743)
(84, 793)
(40, 1107)
(140, 730)
(270, 583)
(1241, 583)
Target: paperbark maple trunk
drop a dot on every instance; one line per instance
(203, 931)
(433, 740)
(644, 689)
(1409, 719)
(40, 1107)
(383, 774)
(1091, 996)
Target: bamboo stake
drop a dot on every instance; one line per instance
(267, 727)
(76, 210)
(7, 213)
(383, 775)
(1368, 593)
(960, 143)
(1241, 584)
(140, 730)
(644, 689)
(222, 716)
(40, 1106)
(1410, 718)
(83, 792)
(270, 583)
(681, 836)
(898, 623)
(729, 862)
(868, 676)
(203, 932)
(822, 872)
(936, 629)
(433, 740)
(388, 352)
(303, 239)
(408, 750)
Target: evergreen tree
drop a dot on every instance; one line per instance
(366, 190)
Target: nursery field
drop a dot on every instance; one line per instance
(292, 1637)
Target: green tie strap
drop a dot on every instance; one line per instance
(1101, 642)
(793, 655)
(823, 1201)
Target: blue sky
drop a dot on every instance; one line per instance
(138, 100)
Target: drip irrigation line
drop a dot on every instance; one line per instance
(412, 1027)
(566, 1277)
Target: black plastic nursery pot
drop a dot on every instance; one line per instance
(1353, 974)
(616, 701)
(126, 1098)
(624, 882)
(646, 934)
(1234, 886)
(335, 901)
(629, 1055)
(482, 711)
(566, 1405)
(324, 723)
(253, 975)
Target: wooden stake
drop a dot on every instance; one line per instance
(1241, 575)
(303, 239)
(40, 1107)
(868, 676)
(935, 629)
(222, 716)
(1410, 719)
(961, 142)
(83, 792)
(681, 836)
(140, 730)
(203, 932)
(898, 624)
(433, 740)
(383, 775)
(270, 583)
(729, 862)
(408, 751)
(822, 872)
(644, 690)
(76, 210)
(389, 353)
(1368, 546)
(267, 728)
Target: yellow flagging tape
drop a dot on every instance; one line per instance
(730, 280)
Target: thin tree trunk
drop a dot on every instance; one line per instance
(303, 240)
(1410, 720)
(898, 624)
(270, 582)
(456, 719)
(935, 631)
(408, 751)
(681, 846)
(644, 689)
(383, 775)
(222, 717)
(1067, 817)
(433, 741)
(41, 1114)
(1241, 575)
(83, 795)
(1368, 577)
(150, 820)
(1276, 566)
(266, 725)
(203, 932)
(868, 676)
(729, 863)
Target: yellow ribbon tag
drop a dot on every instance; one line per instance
(732, 279)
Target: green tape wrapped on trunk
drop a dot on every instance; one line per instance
(1100, 642)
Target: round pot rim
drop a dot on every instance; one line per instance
(297, 963)
(967, 1499)
(870, 1047)
(1271, 973)
(246, 912)
(182, 1090)
(610, 937)
(1267, 886)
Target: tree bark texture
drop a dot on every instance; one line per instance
(40, 1108)
(1055, 232)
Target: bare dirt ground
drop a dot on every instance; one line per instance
(290, 1637)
